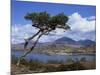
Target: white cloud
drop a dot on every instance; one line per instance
(79, 23)
(20, 32)
(81, 28)
(92, 18)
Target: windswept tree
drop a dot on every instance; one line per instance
(45, 23)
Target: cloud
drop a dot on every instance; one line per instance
(80, 23)
(81, 28)
(20, 32)
(76, 35)
(91, 18)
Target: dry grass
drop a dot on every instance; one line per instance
(39, 68)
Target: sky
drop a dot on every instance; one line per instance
(82, 20)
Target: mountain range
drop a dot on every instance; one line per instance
(59, 43)
(66, 40)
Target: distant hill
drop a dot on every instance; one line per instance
(66, 40)
(86, 42)
(61, 43)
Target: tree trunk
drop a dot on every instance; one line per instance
(27, 40)
(25, 54)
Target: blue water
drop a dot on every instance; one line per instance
(45, 57)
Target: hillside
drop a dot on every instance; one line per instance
(62, 46)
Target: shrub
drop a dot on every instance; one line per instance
(34, 64)
(74, 66)
(83, 59)
(50, 68)
(14, 59)
(24, 62)
(70, 60)
(54, 62)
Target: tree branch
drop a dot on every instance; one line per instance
(27, 40)
(32, 46)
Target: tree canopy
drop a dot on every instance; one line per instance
(45, 22)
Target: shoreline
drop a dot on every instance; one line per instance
(67, 53)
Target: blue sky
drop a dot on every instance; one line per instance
(82, 19)
(20, 9)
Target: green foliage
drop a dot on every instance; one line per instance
(44, 21)
(60, 19)
(14, 59)
(41, 17)
(83, 59)
(70, 60)
(54, 62)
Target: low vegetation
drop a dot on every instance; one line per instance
(35, 66)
